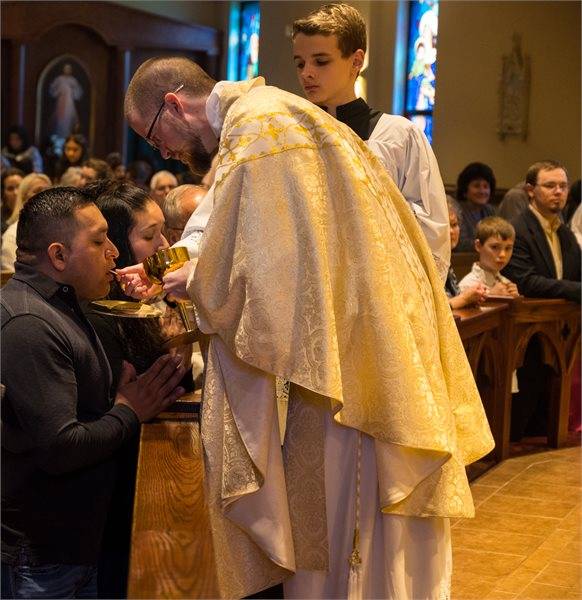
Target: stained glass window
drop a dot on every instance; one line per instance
(421, 63)
(243, 40)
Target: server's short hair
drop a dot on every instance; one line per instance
(339, 19)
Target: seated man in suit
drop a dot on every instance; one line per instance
(546, 256)
(545, 264)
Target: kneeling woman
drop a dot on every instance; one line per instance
(135, 226)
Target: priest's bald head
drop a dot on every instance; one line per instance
(165, 104)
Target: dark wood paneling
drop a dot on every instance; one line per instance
(118, 25)
(111, 40)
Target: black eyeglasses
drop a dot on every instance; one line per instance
(147, 137)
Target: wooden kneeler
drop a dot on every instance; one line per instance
(172, 555)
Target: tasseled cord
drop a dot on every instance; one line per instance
(355, 579)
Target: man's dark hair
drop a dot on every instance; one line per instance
(531, 176)
(473, 171)
(48, 217)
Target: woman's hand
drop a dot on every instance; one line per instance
(135, 283)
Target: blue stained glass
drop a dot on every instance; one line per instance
(424, 123)
(250, 21)
(422, 53)
(233, 41)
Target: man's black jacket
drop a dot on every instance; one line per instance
(532, 266)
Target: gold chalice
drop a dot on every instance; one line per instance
(162, 262)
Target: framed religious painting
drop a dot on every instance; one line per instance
(64, 102)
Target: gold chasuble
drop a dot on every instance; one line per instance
(313, 269)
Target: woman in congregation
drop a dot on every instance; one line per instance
(475, 189)
(75, 153)
(29, 186)
(11, 179)
(472, 295)
(19, 153)
(135, 227)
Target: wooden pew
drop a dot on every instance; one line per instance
(481, 332)
(556, 322)
(495, 338)
(462, 262)
(172, 555)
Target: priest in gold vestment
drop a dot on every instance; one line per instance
(313, 269)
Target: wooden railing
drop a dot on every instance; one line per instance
(171, 547)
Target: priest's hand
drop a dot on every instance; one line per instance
(175, 282)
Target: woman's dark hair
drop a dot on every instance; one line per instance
(63, 164)
(474, 170)
(80, 140)
(22, 133)
(118, 202)
(5, 210)
(113, 159)
(9, 173)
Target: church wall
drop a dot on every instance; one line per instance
(473, 37)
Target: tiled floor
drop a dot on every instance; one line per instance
(525, 542)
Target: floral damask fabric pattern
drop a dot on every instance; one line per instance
(244, 564)
(304, 469)
(313, 269)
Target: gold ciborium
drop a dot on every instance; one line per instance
(162, 262)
